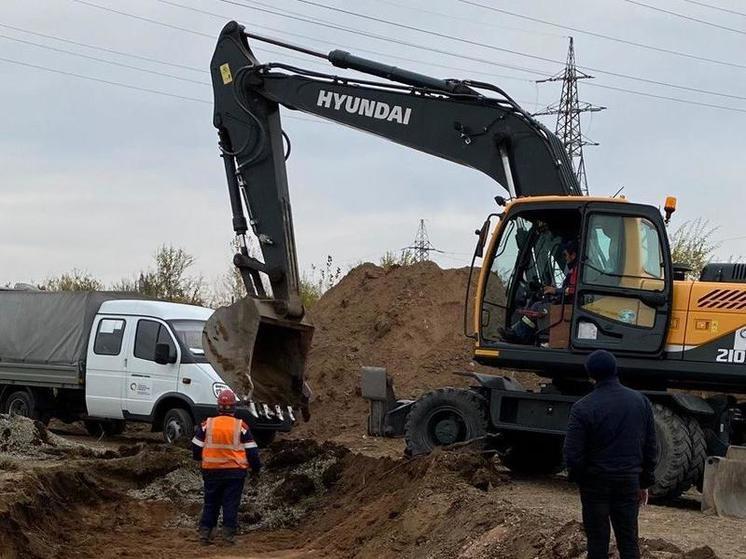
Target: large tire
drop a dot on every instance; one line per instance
(532, 454)
(674, 454)
(21, 403)
(696, 472)
(443, 417)
(178, 426)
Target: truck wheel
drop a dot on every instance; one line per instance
(534, 454)
(263, 437)
(444, 417)
(178, 425)
(20, 403)
(696, 471)
(674, 454)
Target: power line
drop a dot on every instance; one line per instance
(718, 8)
(422, 47)
(666, 98)
(607, 37)
(452, 17)
(360, 32)
(100, 80)
(102, 60)
(496, 48)
(689, 18)
(131, 86)
(375, 53)
(100, 48)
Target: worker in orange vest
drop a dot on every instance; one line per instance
(226, 449)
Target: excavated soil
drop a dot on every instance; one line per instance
(408, 319)
(70, 495)
(314, 500)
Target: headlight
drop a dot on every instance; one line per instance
(218, 387)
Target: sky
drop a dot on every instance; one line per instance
(95, 175)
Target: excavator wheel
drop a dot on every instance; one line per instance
(534, 454)
(696, 472)
(672, 474)
(444, 417)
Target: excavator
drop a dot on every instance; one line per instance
(681, 341)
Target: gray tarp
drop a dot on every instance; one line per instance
(47, 328)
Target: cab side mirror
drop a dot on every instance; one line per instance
(482, 234)
(163, 355)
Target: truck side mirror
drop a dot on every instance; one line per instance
(163, 355)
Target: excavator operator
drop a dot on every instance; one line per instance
(524, 331)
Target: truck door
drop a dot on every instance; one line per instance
(105, 366)
(147, 380)
(625, 281)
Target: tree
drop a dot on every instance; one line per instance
(692, 245)
(169, 280)
(76, 280)
(314, 284)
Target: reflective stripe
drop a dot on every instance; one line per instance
(198, 442)
(252, 444)
(226, 460)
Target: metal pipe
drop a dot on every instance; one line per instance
(285, 45)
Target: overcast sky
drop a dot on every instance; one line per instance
(95, 176)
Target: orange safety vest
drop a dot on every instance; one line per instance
(223, 448)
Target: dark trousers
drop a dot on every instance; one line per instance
(225, 493)
(615, 501)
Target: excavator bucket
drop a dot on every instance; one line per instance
(724, 487)
(259, 354)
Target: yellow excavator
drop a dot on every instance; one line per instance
(671, 335)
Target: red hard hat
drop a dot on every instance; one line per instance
(226, 398)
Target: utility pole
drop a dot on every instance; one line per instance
(421, 247)
(568, 115)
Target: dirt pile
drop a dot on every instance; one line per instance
(408, 319)
(24, 439)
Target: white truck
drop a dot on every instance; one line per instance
(108, 358)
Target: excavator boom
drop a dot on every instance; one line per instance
(450, 119)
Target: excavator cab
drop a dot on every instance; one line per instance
(618, 298)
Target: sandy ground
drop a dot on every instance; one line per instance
(135, 498)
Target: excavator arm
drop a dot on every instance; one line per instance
(450, 119)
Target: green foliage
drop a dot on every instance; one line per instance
(692, 244)
(391, 260)
(76, 280)
(169, 279)
(314, 284)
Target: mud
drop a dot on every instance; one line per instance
(313, 500)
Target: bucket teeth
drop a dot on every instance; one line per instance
(291, 415)
(267, 412)
(252, 409)
(278, 412)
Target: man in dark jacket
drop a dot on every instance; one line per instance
(611, 452)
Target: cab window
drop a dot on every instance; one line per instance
(109, 337)
(148, 334)
(623, 251)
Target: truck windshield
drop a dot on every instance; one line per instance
(189, 333)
